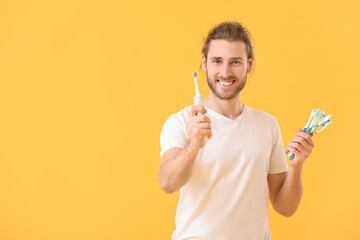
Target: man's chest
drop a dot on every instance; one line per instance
(235, 146)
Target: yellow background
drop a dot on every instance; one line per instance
(86, 87)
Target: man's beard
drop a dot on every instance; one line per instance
(239, 86)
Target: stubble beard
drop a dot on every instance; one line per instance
(212, 85)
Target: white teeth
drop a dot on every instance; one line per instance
(225, 83)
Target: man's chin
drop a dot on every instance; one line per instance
(227, 96)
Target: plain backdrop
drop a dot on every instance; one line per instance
(86, 86)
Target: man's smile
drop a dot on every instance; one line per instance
(225, 83)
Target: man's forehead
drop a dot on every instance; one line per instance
(225, 48)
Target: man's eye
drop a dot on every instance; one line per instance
(236, 62)
(216, 61)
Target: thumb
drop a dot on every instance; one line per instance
(299, 130)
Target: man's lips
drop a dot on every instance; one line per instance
(226, 83)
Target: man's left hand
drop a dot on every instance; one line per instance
(301, 145)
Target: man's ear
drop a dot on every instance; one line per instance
(203, 63)
(251, 64)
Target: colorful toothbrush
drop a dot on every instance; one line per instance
(316, 119)
(312, 114)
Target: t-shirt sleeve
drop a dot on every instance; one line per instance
(173, 133)
(278, 162)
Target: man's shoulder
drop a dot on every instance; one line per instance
(184, 112)
(180, 116)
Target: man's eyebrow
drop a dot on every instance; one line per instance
(234, 58)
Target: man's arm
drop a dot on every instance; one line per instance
(286, 189)
(176, 163)
(176, 167)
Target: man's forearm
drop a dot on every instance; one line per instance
(288, 198)
(178, 169)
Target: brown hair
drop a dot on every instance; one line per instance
(231, 31)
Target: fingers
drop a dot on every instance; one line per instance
(204, 125)
(307, 137)
(297, 146)
(199, 125)
(300, 147)
(303, 142)
(195, 109)
(200, 132)
(293, 150)
(201, 119)
(201, 122)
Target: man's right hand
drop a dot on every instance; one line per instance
(199, 126)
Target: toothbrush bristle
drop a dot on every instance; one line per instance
(195, 74)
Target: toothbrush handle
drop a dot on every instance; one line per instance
(198, 100)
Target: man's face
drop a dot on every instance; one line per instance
(226, 68)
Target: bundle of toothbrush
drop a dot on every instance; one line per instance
(316, 120)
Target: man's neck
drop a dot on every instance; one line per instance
(229, 108)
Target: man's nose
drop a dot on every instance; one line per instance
(226, 71)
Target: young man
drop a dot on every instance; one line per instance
(225, 183)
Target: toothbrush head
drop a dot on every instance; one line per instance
(321, 117)
(326, 123)
(194, 74)
(327, 118)
(311, 116)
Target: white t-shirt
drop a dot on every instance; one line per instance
(227, 195)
